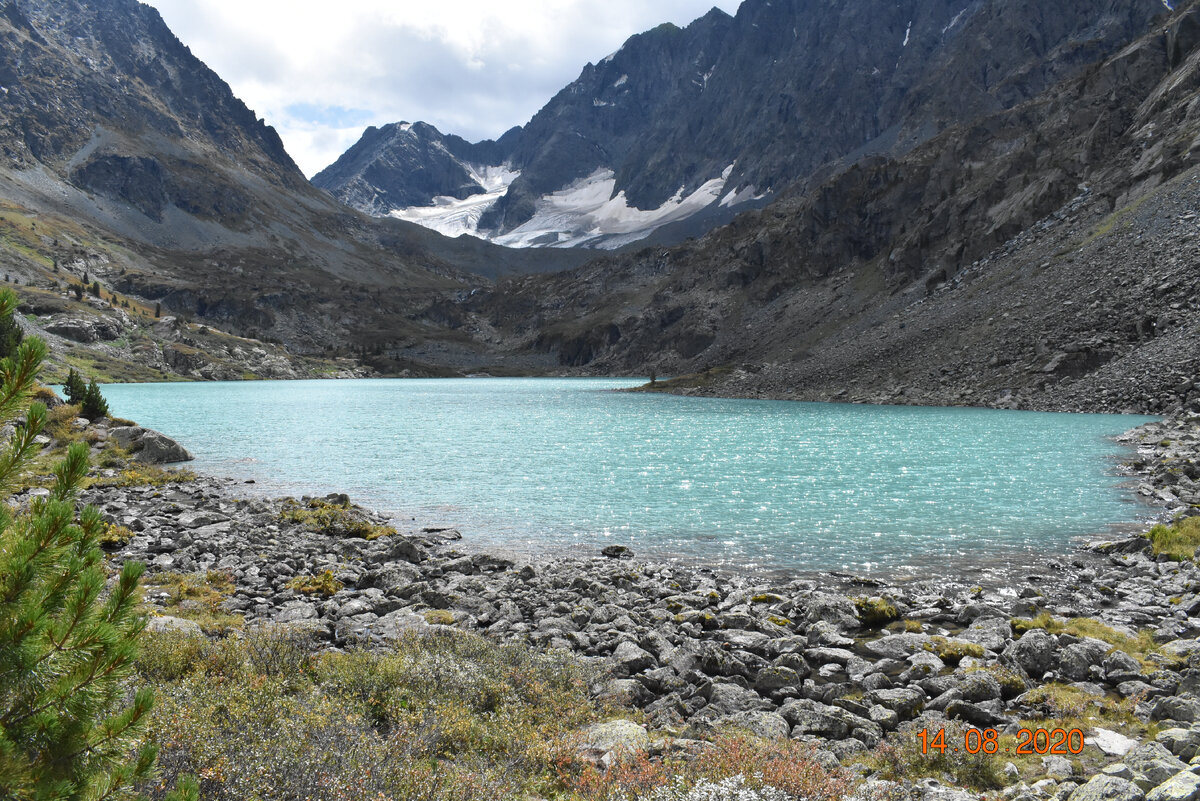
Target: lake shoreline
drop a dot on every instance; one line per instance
(840, 659)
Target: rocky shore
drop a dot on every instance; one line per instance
(841, 660)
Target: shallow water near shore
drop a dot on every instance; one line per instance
(543, 466)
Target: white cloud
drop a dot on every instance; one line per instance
(320, 72)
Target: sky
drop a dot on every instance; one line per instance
(321, 72)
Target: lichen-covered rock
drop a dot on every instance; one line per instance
(1108, 788)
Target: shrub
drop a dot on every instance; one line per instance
(900, 759)
(333, 519)
(195, 597)
(59, 419)
(115, 536)
(324, 584)
(759, 769)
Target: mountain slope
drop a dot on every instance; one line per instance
(699, 122)
(111, 128)
(1038, 256)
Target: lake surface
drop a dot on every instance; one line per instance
(540, 466)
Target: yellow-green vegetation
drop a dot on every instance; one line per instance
(115, 536)
(1179, 541)
(58, 422)
(1011, 683)
(875, 612)
(333, 519)
(914, 626)
(1140, 646)
(445, 715)
(145, 475)
(900, 758)
(953, 651)
(439, 617)
(690, 381)
(324, 584)
(196, 597)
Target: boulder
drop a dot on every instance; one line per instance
(176, 624)
(1111, 743)
(615, 735)
(631, 659)
(1152, 765)
(767, 725)
(1108, 788)
(1180, 787)
(1036, 652)
(149, 446)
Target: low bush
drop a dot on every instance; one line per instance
(145, 475)
(1179, 541)
(441, 717)
(900, 758)
(333, 519)
(953, 651)
(729, 765)
(324, 584)
(195, 597)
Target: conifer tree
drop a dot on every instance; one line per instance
(94, 406)
(10, 335)
(74, 387)
(67, 732)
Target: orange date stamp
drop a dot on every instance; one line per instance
(987, 741)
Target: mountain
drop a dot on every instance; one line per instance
(160, 184)
(1036, 255)
(681, 128)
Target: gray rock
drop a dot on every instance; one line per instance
(1183, 743)
(631, 659)
(1152, 765)
(768, 725)
(1180, 787)
(906, 703)
(615, 735)
(1108, 788)
(1036, 652)
(1111, 743)
(179, 625)
(1177, 708)
(975, 714)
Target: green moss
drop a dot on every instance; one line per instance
(323, 584)
(875, 612)
(1140, 646)
(438, 617)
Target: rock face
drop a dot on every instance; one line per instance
(905, 278)
(149, 446)
(732, 104)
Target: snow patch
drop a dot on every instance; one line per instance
(453, 217)
(405, 127)
(624, 79)
(598, 103)
(957, 19)
(589, 213)
(907, 34)
(1167, 3)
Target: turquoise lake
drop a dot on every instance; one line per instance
(545, 466)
